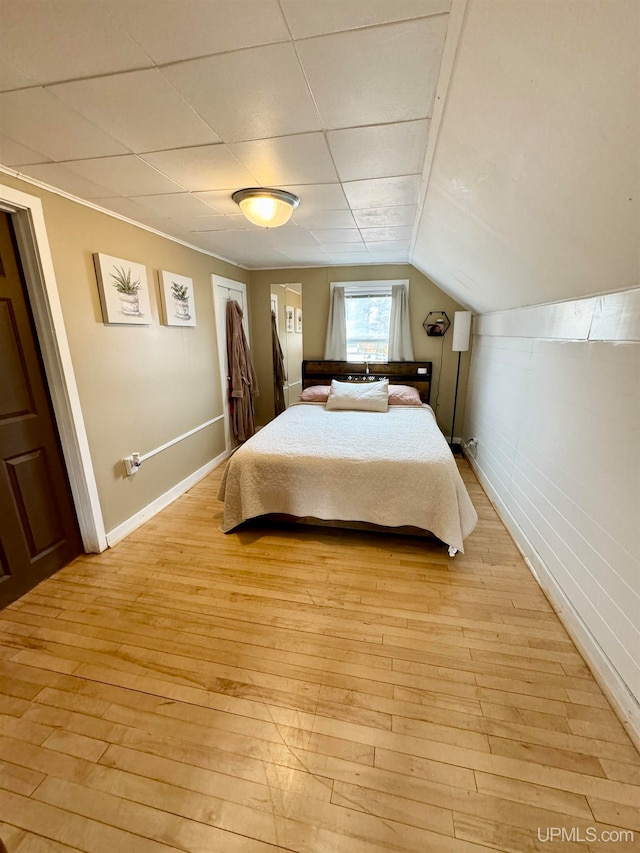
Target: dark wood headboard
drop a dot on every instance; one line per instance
(414, 373)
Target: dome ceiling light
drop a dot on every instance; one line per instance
(266, 207)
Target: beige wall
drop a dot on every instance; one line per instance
(139, 386)
(424, 296)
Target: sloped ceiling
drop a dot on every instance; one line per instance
(533, 192)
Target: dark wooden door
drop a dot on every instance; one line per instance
(38, 525)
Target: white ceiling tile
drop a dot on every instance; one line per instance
(338, 235)
(126, 176)
(319, 196)
(305, 256)
(290, 239)
(236, 244)
(311, 218)
(172, 230)
(383, 192)
(57, 175)
(14, 154)
(140, 109)
(190, 28)
(345, 248)
(266, 261)
(258, 93)
(377, 75)
(55, 40)
(220, 201)
(212, 240)
(301, 159)
(399, 247)
(378, 217)
(202, 169)
(241, 223)
(265, 240)
(331, 16)
(169, 226)
(380, 150)
(40, 121)
(214, 222)
(347, 258)
(123, 206)
(170, 205)
(386, 235)
(11, 78)
(230, 239)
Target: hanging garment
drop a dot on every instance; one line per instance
(279, 372)
(243, 385)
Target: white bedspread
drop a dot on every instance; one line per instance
(389, 468)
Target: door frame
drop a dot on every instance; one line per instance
(35, 257)
(219, 283)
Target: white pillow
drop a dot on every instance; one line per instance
(359, 396)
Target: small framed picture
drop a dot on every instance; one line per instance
(124, 292)
(298, 322)
(178, 300)
(289, 321)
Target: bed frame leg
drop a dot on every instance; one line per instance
(452, 551)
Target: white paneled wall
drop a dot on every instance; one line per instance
(558, 426)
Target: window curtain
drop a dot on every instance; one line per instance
(335, 346)
(400, 346)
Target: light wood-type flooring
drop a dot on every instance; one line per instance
(303, 689)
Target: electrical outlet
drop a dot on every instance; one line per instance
(470, 447)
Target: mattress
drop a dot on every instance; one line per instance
(390, 468)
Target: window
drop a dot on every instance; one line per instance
(369, 321)
(367, 316)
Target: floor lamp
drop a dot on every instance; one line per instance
(461, 337)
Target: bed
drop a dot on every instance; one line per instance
(392, 469)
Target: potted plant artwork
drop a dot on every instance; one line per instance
(123, 289)
(177, 299)
(127, 291)
(180, 295)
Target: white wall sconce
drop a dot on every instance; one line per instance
(266, 207)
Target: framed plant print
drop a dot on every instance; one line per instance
(124, 292)
(177, 298)
(288, 316)
(298, 322)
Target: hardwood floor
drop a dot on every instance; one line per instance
(303, 689)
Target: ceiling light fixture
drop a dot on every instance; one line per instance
(266, 207)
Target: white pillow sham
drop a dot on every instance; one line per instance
(359, 396)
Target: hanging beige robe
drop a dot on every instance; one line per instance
(243, 385)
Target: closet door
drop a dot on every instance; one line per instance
(38, 526)
(225, 289)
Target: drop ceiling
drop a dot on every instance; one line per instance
(158, 110)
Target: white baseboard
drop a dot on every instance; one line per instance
(147, 512)
(611, 683)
